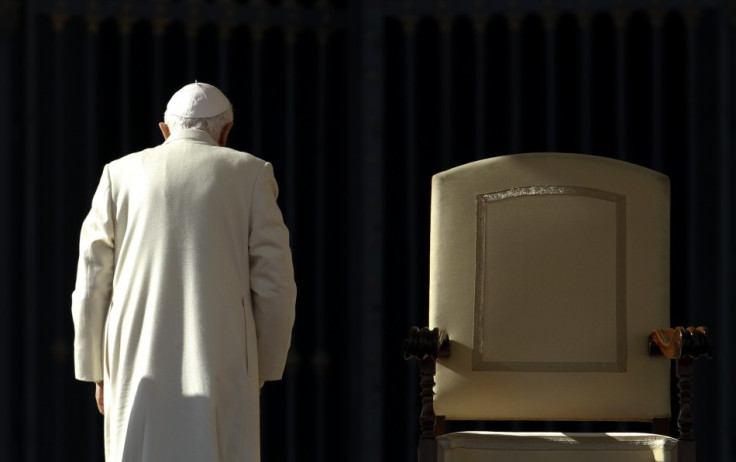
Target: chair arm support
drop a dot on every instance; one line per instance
(426, 346)
(422, 343)
(684, 345)
(681, 342)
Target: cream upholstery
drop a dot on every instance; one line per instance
(556, 447)
(548, 271)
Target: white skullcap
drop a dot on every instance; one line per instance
(197, 101)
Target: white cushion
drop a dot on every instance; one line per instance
(554, 447)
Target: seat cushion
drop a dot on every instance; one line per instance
(553, 446)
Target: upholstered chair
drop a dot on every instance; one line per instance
(549, 300)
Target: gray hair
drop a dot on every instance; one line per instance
(212, 125)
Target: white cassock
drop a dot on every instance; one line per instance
(184, 300)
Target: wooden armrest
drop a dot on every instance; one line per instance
(422, 343)
(681, 342)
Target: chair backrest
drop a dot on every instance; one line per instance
(548, 271)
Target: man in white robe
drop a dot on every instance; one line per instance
(185, 293)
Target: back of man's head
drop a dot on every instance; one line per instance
(201, 106)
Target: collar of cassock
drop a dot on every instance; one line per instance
(192, 135)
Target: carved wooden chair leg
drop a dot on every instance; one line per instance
(426, 346)
(684, 345)
(686, 443)
(427, 419)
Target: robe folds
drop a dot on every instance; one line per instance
(184, 300)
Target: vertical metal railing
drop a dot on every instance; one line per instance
(550, 20)
(619, 24)
(726, 123)
(90, 90)
(158, 101)
(291, 201)
(480, 21)
(30, 251)
(409, 29)
(320, 356)
(9, 27)
(693, 167)
(125, 24)
(192, 30)
(445, 21)
(515, 19)
(224, 30)
(56, 160)
(257, 30)
(367, 161)
(584, 20)
(656, 16)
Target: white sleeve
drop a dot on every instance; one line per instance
(273, 290)
(91, 297)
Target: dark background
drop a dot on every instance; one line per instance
(356, 104)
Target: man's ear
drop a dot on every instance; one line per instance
(223, 135)
(165, 130)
